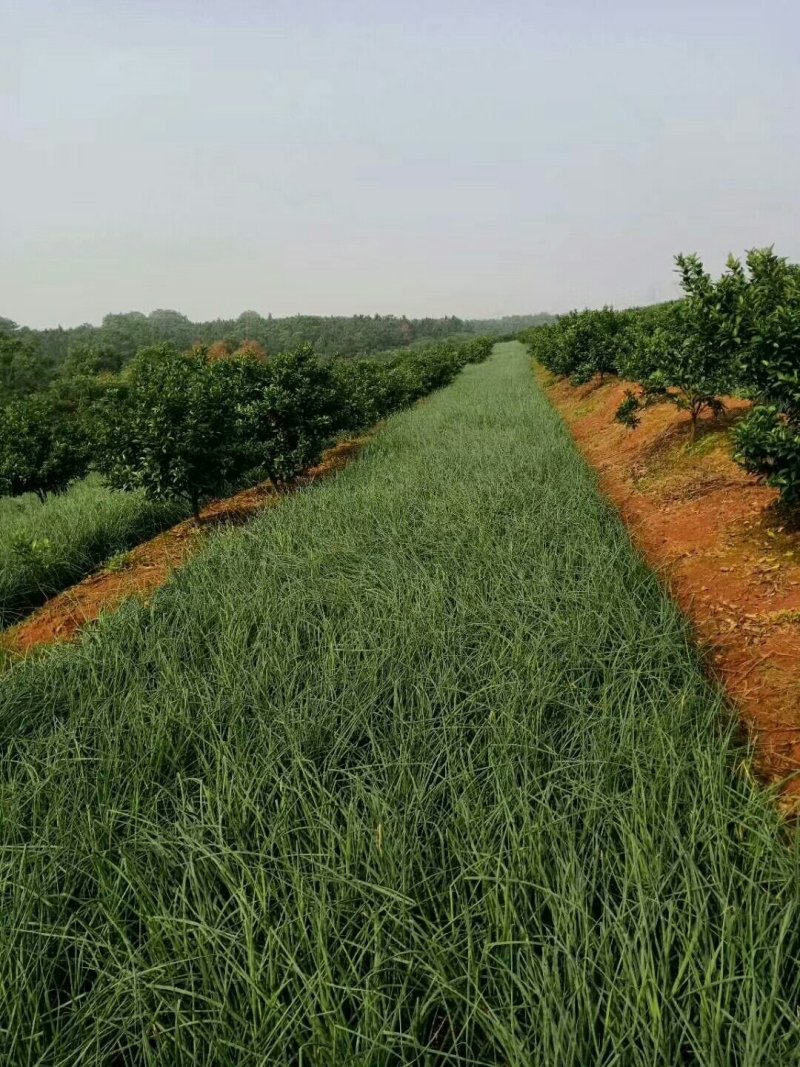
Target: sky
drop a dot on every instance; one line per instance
(427, 158)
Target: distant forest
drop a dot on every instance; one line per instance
(31, 360)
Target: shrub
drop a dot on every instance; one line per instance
(768, 441)
(369, 389)
(362, 388)
(598, 337)
(688, 358)
(284, 425)
(645, 329)
(191, 426)
(541, 342)
(167, 428)
(582, 344)
(42, 446)
(433, 368)
(479, 349)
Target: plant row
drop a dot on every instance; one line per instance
(192, 425)
(736, 334)
(176, 429)
(31, 359)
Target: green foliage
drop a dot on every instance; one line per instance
(42, 446)
(167, 428)
(768, 441)
(686, 355)
(361, 386)
(419, 768)
(192, 426)
(37, 357)
(178, 429)
(120, 561)
(371, 389)
(48, 546)
(582, 344)
(283, 426)
(19, 372)
(34, 556)
(648, 333)
(713, 312)
(685, 352)
(479, 349)
(89, 361)
(740, 332)
(598, 336)
(768, 444)
(628, 412)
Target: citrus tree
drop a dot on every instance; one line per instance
(42, 446)
(581, 345)
(689, 357)
(166, 427)
(284, 420)
(768, 441)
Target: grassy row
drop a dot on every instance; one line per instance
(44, 547)
(418, 768)
(184, 427)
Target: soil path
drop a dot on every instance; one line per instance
(716, 536)
(150, 565)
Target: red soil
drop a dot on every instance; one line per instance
(717, 538)
(150, 565)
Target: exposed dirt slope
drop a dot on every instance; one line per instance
(730, 558)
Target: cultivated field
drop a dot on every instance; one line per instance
(420, 767)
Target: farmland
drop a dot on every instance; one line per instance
(114, 458)
(420, 766)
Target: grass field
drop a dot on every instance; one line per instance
(46, 547)
(420, 767)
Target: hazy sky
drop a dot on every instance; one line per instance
(418, 156)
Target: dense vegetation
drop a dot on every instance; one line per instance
(418, 768)
(768, 441)
(176, 429)
(740, 332)
(30, 360)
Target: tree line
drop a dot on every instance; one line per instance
(735, 334)
(199, 423)
(31, 360)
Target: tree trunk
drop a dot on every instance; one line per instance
(270, 472)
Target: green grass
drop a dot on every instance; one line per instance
(46, 547)
(420, 767)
